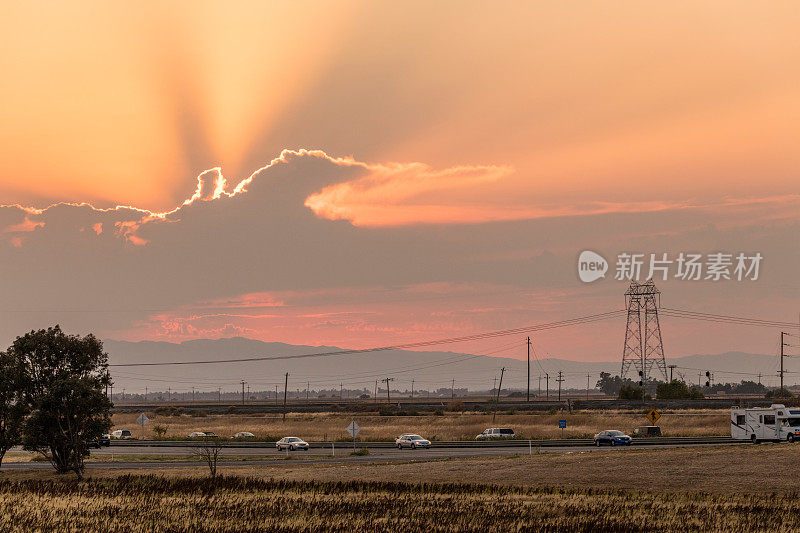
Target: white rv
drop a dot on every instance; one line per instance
(775, 423)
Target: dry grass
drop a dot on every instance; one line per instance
(328, 426)
(155, 503)
(727, 488)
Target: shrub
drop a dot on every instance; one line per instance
(630, 392)
(159, 431)
(455, 405)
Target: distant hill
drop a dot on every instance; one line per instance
(429, 369)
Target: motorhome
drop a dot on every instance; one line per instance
(774, 423)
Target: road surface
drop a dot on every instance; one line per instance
(158, 457)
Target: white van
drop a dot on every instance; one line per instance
(775, 423)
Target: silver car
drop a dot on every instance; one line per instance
(291, 444)
(411, 440)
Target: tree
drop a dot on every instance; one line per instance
(779, 393)
(630, 392)
(209, 450)
(677, 390)
(608, 384)
(63, 377)
(12, 405)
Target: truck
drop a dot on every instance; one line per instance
(774, 423)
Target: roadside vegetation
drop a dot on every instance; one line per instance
(155, 503)
(448, 426)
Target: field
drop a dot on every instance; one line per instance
(733, 488)
(451, 426)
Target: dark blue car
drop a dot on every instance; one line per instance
(612, 437)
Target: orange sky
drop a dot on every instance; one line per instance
(116, 105)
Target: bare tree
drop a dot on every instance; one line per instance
(208, 450)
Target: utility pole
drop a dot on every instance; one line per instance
(529, 370)
(782, 356)
(588, 376)
(539, 388)
(169, 393)
(412, 389)
(248, 391)
(453, 390)
(671, 368)
(192, 394)
(494, 388)
(276, 395)
(497, 398)
(547, 381)
(219, 394)
(243, 382)
(112, 393)
(341, 394)
(560, 380)
(376, 391)
(387, 380)
(285, 389)
(145, 394)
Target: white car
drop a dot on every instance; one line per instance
(244, 435)
(121, 434)
(411, 440)
(291, 444)
(196, 435)
(496, 433)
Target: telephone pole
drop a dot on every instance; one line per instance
(782, 356)
(497, 398)
(547, 382)
(387, 380)
(539, 388)
(453, 390)
(671, 368)
(376, 391)
(243, 383)
(412, 389)
(588, 376)
(285, 389)
(529, 370)
(560, 380)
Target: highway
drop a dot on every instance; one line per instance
(165, 454)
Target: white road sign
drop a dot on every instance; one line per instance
(142, 420)
(353, 429)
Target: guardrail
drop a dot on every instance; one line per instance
(508, 443)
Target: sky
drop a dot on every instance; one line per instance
(372, 173)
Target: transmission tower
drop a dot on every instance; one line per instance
(643, 346)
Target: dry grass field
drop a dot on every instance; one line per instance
(451, 426)
(730, 488)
